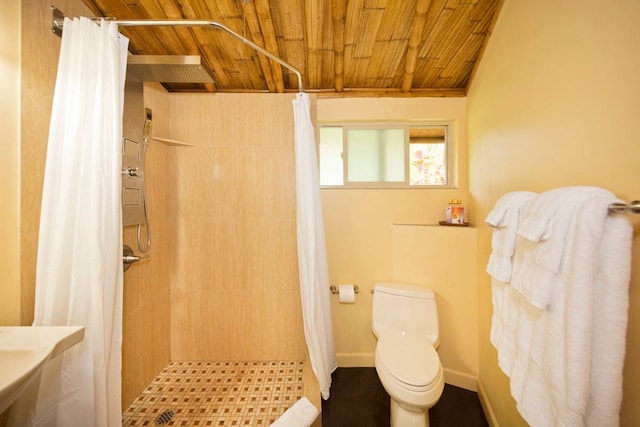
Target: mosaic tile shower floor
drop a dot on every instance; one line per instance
(202, 393)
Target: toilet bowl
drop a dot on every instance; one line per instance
(405, 321)
(410, 371)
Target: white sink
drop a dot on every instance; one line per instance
(23, 351)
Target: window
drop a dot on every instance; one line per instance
(391, 155)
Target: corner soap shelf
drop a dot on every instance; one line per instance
(172, 142)
(464, 224)
(438, 224)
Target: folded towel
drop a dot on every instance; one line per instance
(565, 363)
(541, 244)
(504, 218)
(498, 217)
(503, 324)
(302, 414)
(537, 224)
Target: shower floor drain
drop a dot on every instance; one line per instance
(164, 417)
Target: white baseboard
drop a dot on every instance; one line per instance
(461, 379)
(486, 406)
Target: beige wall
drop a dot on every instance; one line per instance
(555, 103)
(235, 294)
(359, 223)
(9, 163)
(444, 259)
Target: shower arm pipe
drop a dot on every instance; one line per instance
(58, 23)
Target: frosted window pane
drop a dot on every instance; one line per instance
(330, 153)
(375, 155)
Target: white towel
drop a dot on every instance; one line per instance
(504, 218)
(302, 414)
(611, 296)
(499, 215)
(565, 362)
(542, 237)
(541, 214)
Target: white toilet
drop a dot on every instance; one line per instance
(405, 320)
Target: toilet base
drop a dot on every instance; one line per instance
(402, 417)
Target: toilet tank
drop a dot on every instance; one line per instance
(400, 307)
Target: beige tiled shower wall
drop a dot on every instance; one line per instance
(146, 311)
(235, 295)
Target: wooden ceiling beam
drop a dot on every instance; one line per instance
(415, 39)
(388, 93)
(251, 15)
(312, 43)
(338, 12)
(270, 42)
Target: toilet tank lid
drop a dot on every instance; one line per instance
(404, 289)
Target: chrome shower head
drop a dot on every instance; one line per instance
(168, 68)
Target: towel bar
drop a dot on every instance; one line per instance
(632, 207)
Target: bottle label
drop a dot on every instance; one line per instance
(455, 215)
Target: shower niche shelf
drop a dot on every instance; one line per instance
(172, 142)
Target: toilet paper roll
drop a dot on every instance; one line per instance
(347, 294)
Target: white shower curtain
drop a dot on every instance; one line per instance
(79, 265)
(312, 254)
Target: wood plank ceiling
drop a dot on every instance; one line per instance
(341, 47)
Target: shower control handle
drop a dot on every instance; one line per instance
(128, 257)
(132, 172)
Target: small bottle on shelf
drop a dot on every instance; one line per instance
(455, 212)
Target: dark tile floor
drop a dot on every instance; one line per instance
(359, 400)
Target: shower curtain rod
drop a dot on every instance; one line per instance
(57, 23)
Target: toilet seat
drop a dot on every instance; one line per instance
(410, 359)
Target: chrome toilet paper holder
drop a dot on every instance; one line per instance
(334, 289)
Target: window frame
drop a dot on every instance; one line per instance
(449, 144)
